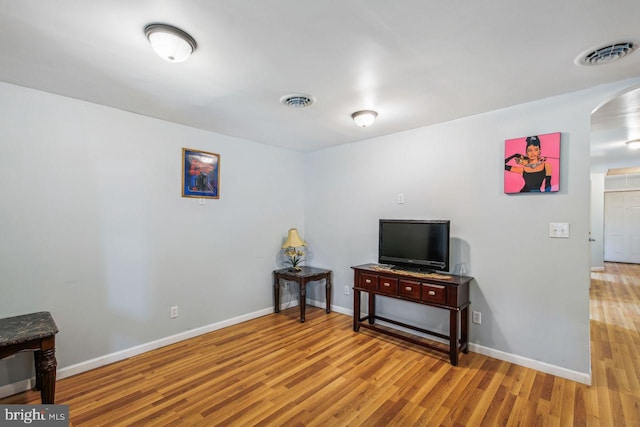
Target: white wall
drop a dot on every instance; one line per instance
(93, 227)
(532, 291)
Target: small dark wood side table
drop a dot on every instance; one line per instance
(37, 332)
(302, 277)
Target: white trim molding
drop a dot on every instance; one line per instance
(153, 345)
(581, 377)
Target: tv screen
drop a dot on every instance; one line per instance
(415, 244)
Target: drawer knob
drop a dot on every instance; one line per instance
(368, 281)
(387, 284)
(432, 293)
(407, 288)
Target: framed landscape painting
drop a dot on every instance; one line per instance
(200, 174)
(532, 164)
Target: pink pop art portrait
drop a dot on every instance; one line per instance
(532, 164)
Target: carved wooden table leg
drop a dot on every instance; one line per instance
(328, 292)
(46, 371)
(372, 308)
(356, 310)
(37, 356)
(464, 329)
(303, 299)
(453, 337)
(276, 293)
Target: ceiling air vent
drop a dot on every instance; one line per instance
(606, 54)
(298, 100)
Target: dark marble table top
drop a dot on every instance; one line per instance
(27, 327)
(304, 272)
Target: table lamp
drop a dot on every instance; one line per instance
(293, 240)
(294, 255)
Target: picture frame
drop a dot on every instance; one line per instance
(200, 174)
(532, 164)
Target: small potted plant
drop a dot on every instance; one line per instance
(294, 257)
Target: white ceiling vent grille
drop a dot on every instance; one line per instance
(298, 100)
(607, 54)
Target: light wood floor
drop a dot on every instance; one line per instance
(276, 371)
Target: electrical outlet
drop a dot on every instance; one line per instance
(477, 318)
(174, 311)
(346, 290)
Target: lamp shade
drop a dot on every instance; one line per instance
(170, 43)
(293, 239)
(364, 118)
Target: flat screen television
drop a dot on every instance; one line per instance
(414, 244)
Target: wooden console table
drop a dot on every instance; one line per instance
(444, 291)
(302, 277)
(37, 332)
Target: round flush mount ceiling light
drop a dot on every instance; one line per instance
(170, 43)
(298, 100)
(607, 53)
(364, 118)
(633, 144)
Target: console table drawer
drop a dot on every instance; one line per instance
(434, 293)
(368, 281)
(388, 285)
(410, 289)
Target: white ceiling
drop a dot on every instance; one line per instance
(614, 123)
(416, 62)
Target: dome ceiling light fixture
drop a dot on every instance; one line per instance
(634, 144)
(607, 53)
(364, 118)
(170, 43)
(298, 100)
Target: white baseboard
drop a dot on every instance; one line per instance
(97, 362)
(334, 308)
(597, 268)
(162, 342)
(15, 388)
(547, 368)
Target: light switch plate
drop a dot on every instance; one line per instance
(559, 230)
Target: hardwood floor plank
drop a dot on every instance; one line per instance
(276, 371)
